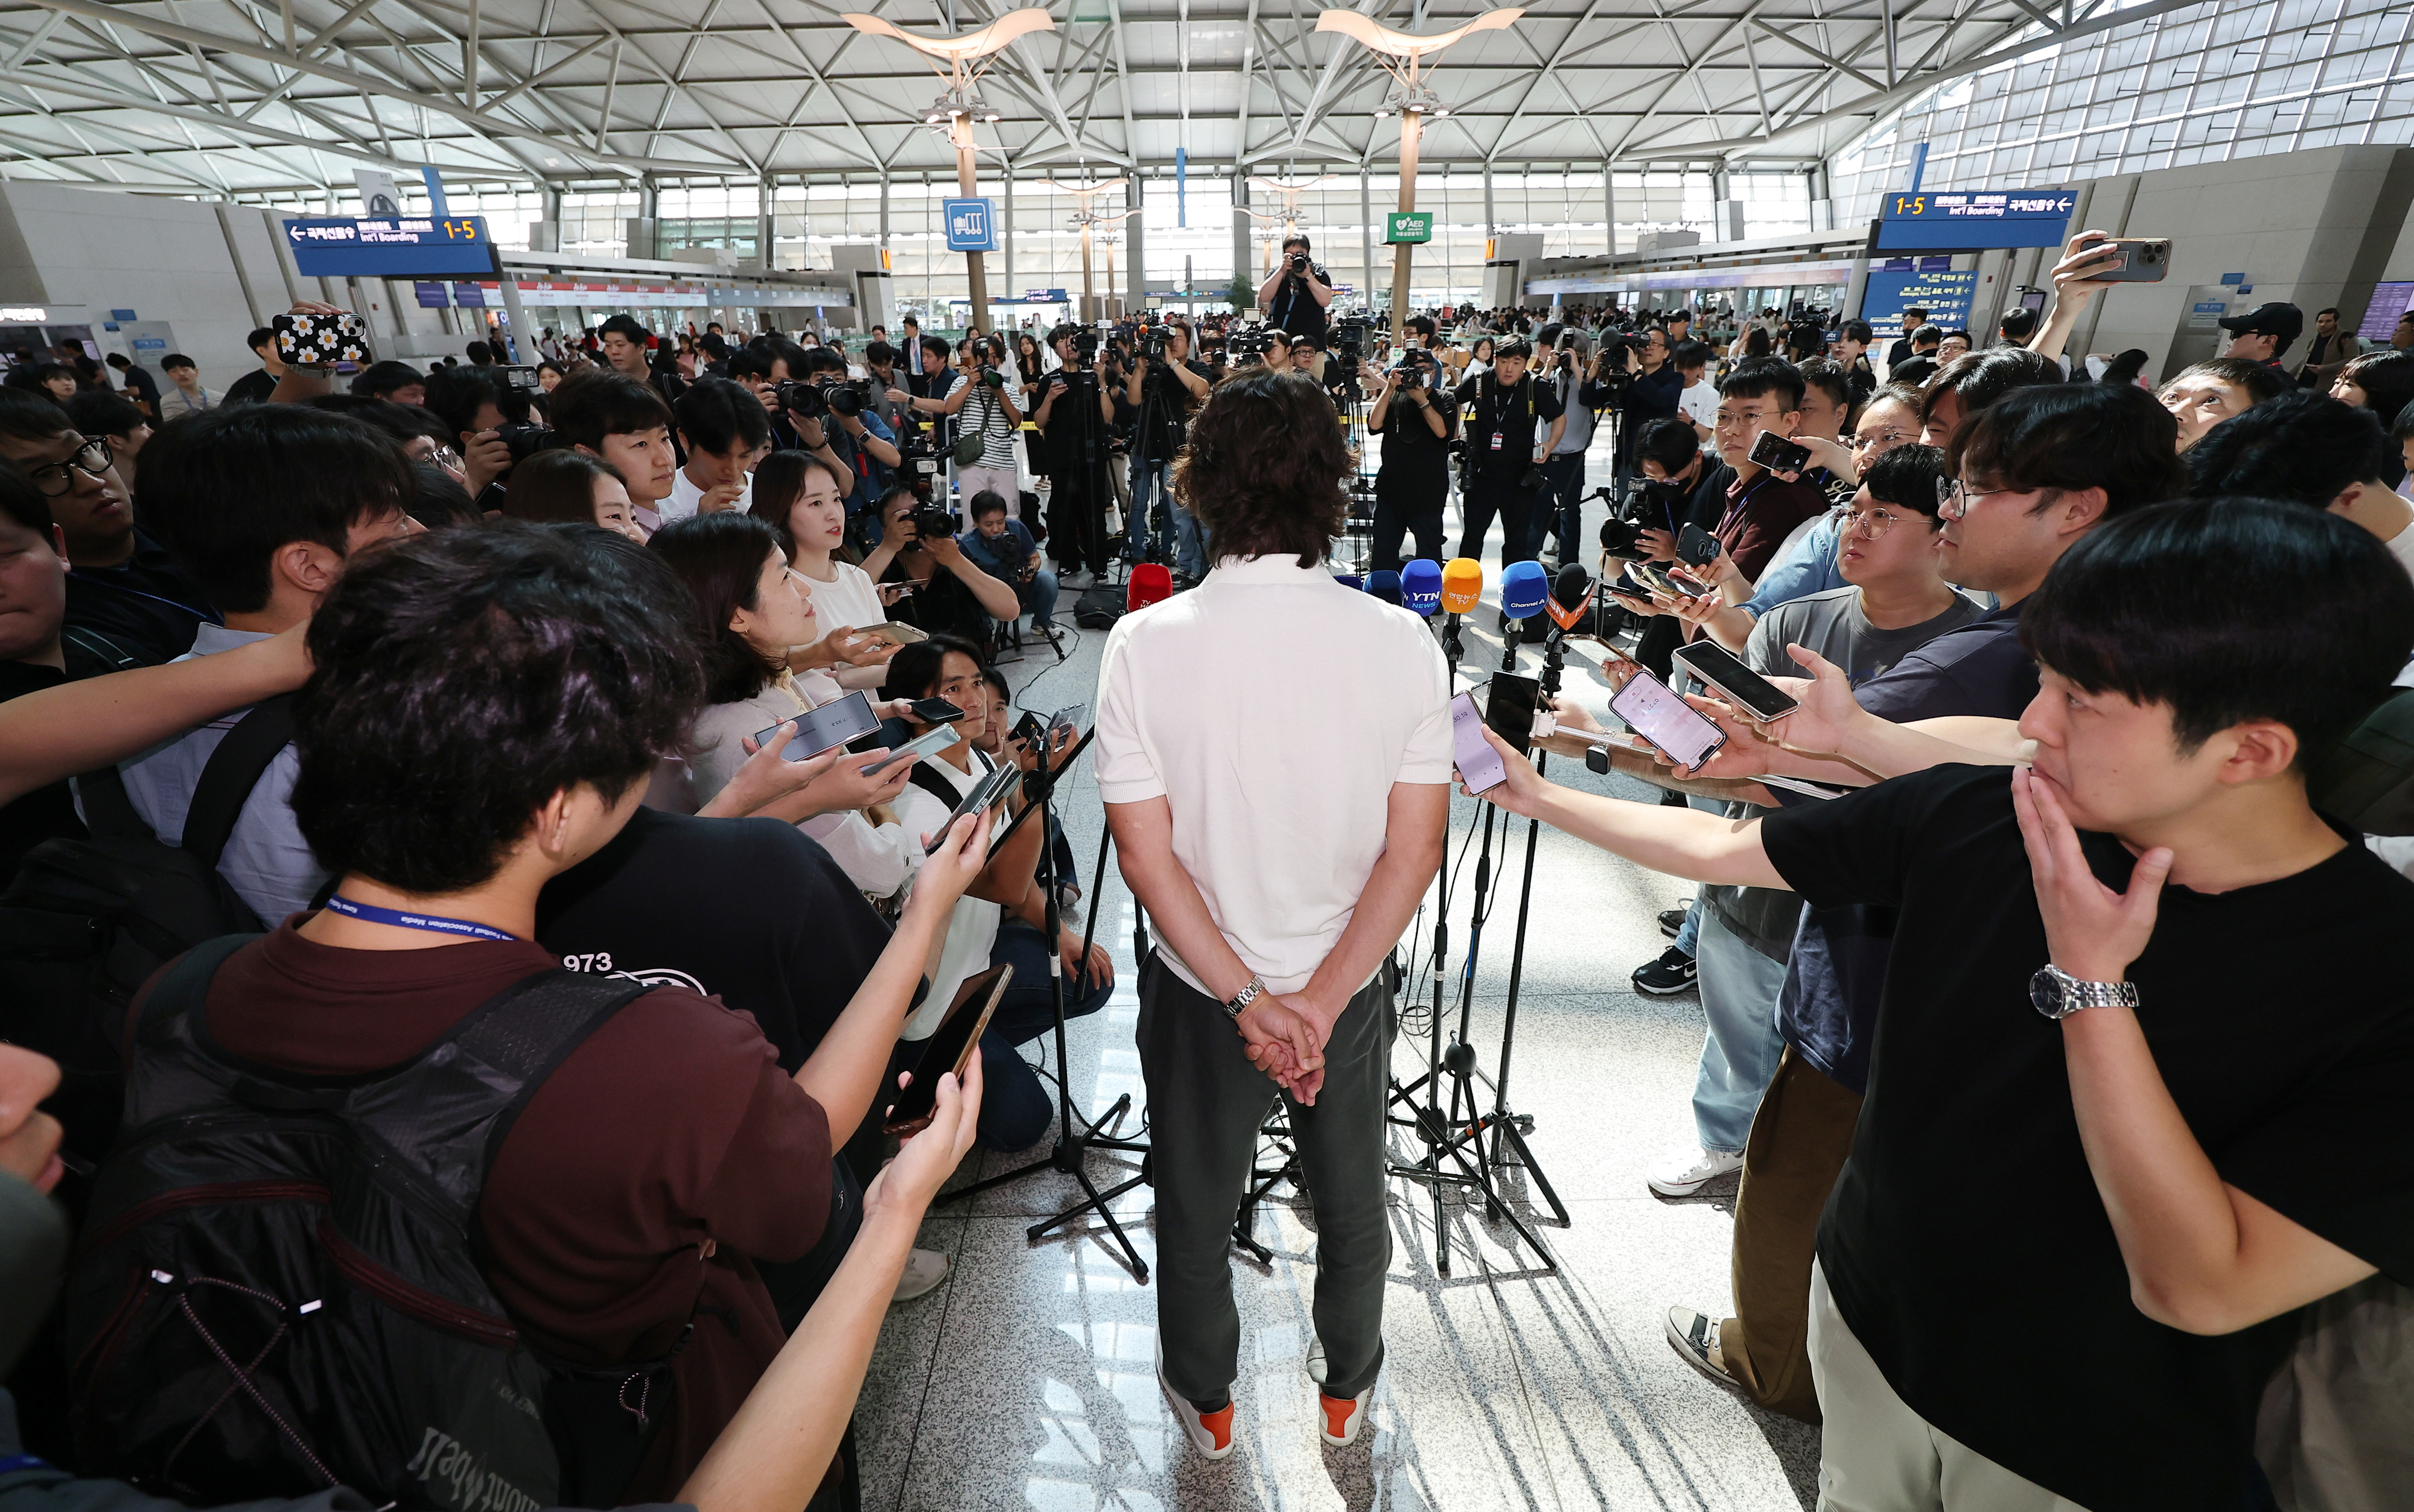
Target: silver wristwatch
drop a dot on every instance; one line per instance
(1239, 1000)
(2057, 994)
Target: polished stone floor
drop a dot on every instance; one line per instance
(1512, 1382)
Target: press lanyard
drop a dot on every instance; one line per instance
(371, 913)
(1742, 500)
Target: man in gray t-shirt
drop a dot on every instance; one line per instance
(1894, 601)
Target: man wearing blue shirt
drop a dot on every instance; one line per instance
(1003, 547)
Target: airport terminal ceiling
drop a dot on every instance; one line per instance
(279, 102)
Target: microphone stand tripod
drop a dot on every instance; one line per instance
(1459, 1060)
(1073, 1147)
(1500, 1122)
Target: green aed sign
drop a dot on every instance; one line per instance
(1408, 226)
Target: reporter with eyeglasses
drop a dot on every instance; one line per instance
(123, 591)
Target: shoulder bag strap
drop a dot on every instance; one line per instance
(525, 1031)
(183, 989)
(232, 771)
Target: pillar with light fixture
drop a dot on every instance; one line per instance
(1085, 220)
(1402, 55)
(955, 111)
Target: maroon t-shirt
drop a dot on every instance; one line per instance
(670, 1130)
(1760, 514)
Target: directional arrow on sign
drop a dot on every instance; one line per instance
(293, 231)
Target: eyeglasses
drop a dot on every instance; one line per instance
(1954, 498)
(1727, 420)
(1891, 436)
(1873, 525)
(92, 459)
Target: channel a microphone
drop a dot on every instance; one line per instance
(1421, 587)
(1525, 589)
(1151, 583)
(1571, 598)
(1385, 586)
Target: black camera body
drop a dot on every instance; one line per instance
(1647, 505)
(1151, 342)
(1349, 341)
(1302, 266)
(930, 522)
(525, 440)
(918, 461)
(812, 398)
(1415, 368)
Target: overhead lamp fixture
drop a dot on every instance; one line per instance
(1403, 55)
(954, 58)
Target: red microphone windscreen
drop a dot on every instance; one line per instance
(1151, 583)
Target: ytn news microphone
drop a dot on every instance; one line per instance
(1385, 586)
(1525, 589)
(1421, 587)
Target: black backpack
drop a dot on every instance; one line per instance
(279, 1287)
(1099, 607)
(86, 922)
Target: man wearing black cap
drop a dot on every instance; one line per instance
(2264, 332)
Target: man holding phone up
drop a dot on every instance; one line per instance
(1277, 888)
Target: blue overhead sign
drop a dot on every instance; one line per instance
(971, 225)
(1973, 220)
(402, 246)
(1945, 296)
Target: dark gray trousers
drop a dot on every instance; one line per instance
(1205, 1104)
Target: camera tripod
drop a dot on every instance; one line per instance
(1158, 417)
(1076, 1134)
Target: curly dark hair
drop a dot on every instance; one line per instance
(464, 678)
(1263, 467)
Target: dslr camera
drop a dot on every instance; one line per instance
(1647, 505)
(1415, 368)
(811, 398)
(931, 522)
(1301, 266)
(918, 461)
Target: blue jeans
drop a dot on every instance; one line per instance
(1038, 597)
(1188, 552)
(1739, 987)
(1016, 1107)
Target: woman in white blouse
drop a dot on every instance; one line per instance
(804, 502)
(756, 608)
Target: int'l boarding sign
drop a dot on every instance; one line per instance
(1974, 220)
(971, 225)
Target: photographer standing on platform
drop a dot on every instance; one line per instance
(1295, 295)
(1163, 387)
(1506, 410)
(1416, 420)
(1276, 900)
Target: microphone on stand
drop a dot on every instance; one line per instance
(1571, 600)
(1151, 583)
(1421, 587)
(1462, 588)
(1385, 586)
(1525, 589)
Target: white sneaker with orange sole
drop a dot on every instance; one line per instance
(1210, 1433)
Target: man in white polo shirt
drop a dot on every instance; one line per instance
(1274, 754)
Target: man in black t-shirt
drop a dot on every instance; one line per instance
(1416, 420)
(121, 589)
(2097, 1170)
(1074, 452)
(1511, 423)
(1296, 294)
(257, 385)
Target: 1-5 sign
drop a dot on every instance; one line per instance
(1408, 226)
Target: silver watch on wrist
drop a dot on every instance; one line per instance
(2057, 994)
(1239, 1003)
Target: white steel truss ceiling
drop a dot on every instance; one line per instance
(233, 96)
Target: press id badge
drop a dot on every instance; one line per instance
(1496, 440)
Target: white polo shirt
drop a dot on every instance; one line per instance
(1272, 708)
(686, 497)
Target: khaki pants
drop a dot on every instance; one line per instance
(1876, 1455)
(1798, 1145)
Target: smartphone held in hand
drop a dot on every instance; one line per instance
(1480, 766)
(1676, 729)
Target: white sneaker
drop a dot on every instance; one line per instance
(1343, 1417)
(924, 1270)
(1690, 1171)
(1210, 1433)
